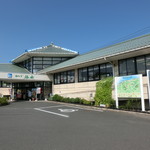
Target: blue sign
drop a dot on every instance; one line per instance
(9, 75)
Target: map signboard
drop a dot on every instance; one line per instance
(129, 87)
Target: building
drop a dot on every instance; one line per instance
(21, 79)
(60, 71)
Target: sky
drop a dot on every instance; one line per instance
(79, 25)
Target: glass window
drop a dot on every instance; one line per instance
(6, 84)
(38, 66)
(96, 72)
(80, 75)
(37, 58)
(148, 62)
(71, 76)
(131, 66)
(45, 66)
(56, 62)
(57, 78)
(57, 58)
(103, 72)
(64, 77)
(91, 73)
(37, 62)
(109, 69)
(47, 62)
(47, 58)
(84, 74)
(63, 59)
(122, 67)
(140, 62)
(47, 84)
(102, 69)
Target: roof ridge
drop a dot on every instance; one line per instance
(51, 45)
(64, 48)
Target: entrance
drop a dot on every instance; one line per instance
(32, 90)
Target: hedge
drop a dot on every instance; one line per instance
(3, 101)
(77, 100)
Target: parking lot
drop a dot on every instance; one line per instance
(55, 126)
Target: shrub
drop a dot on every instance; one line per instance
(131, 104)
(103, 93)
(3, 101)
(77, 100)
(57, 97)
(85, 102)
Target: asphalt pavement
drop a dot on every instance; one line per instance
(54, 126)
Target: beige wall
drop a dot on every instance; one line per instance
(5, 91)
(86, 89)
(83, 90)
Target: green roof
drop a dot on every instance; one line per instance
(10, 68)
(46, 51)
(113, 50)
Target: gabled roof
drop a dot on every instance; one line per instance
(120, 48)
(10, 68)
(47, 51)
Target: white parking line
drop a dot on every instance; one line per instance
(52, 106)
(50, 112)
(91, 109)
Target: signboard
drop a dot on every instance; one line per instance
(23, 77)
(129, 87)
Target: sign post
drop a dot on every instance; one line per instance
(129, 87)
(148, 79)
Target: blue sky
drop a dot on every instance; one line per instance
(80, 25)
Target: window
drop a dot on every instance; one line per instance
(93, 73)
(45, 62)
(122, 67)
(96, 73)
(131, 66)
(136, 65)
(6, 84)
(30, 64)
(148, 62)
(37, 58)
(57, 78)
(140, 62)
(71, 77)
(83, 74)
(109, 69)
(103, 72)
(47, 58)
(64, 77)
